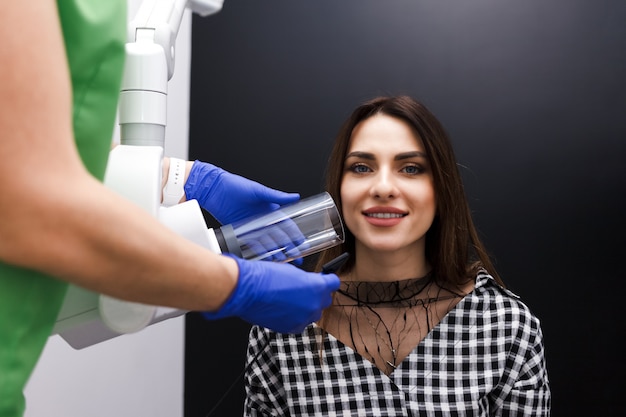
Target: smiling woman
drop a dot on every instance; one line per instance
(422, 323)
(387, 182)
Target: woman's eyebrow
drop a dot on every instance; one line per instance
(362, 155)
(398, 157)
(408, 155)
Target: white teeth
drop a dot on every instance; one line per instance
(385, 215)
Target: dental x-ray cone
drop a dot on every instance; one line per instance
(292, 231)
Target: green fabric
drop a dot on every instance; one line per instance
(94, 32)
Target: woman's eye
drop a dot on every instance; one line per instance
(359, 168)
(413, 169)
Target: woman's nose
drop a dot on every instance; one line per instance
(383, 185)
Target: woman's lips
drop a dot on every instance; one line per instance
(384, 216)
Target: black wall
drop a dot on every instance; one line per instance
(533, 94)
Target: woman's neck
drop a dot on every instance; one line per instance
(382, 266)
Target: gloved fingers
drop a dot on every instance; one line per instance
(291, 229)
(288, 232)
(328, 284)
(275, 196)
(255, 250)
(284, 241)
(273, 249)
(296, 251)
(291, 240)
(230, 197)
(331, 282)
(280, 297)
(253, 191)
(280, 242)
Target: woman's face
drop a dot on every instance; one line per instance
(387, 190)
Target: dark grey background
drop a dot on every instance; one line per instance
(533, 94)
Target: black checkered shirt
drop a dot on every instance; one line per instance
(485, 358)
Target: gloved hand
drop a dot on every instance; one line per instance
(277, 239)
(229, 197)
(281, 297)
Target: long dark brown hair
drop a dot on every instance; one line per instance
(453, 247)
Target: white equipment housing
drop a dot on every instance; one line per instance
(134, 169)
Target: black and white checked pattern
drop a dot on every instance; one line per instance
(485, 358)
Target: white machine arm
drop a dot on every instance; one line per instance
(150, 57)
(135, 166)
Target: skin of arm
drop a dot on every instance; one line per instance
(57, 218)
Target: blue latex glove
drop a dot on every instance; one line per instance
(229, 197)
(279, 240)
(281, 297)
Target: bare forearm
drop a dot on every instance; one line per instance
(102, 242)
